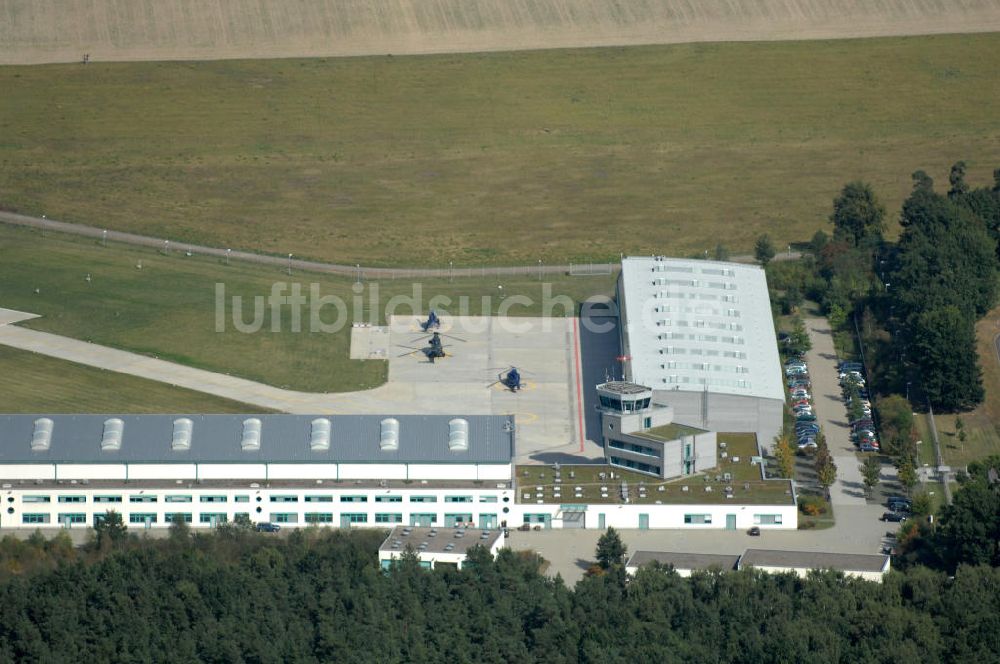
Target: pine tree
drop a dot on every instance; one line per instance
(610, 549)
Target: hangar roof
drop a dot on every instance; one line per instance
(693, 325)
(283, 439)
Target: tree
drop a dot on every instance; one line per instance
(969, 529)
(907, 474)
(945, 256)
(957, 180)
(610, 549)
(960, 429)
(871, 469)
(764, 250)
(798, 339)
(826, 469)
(784, 455)
(922, 181)
(111, 528)
(857, 214)
(721, 252)
(818, 242)
(180, 531)
(942, 343)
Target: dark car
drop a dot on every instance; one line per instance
(268, 527)
(900, 505)
(754, 532)
(895, 517)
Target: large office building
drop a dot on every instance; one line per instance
(700, 334)
(415, 471)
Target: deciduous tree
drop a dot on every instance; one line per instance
(871, 469)
(857, 214)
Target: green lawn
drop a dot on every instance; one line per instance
(168, 308)
(37, 384)
(495, 158)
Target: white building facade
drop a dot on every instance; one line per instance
(701, 335)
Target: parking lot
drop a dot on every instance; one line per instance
(831, 413)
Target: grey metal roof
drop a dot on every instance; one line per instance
(435, 540)
(843, 562)
(688, 561)
(284, 439)
(694, 325)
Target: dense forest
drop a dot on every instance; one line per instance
(319, 596)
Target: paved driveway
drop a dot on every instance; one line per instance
(831, 413)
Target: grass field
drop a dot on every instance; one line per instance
(497, 158)
(37, 384)
(168, 308)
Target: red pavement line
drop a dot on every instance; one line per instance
(579, 386)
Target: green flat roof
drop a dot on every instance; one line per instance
(667, 432)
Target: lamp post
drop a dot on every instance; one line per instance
(228, 251)
(289, 264)
(104, 237)
(907, 390)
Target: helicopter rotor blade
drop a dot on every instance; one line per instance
(451, 337)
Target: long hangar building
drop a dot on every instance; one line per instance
(701, 335)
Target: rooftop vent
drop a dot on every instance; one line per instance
(112, 439)
(458, 435)
(182, 435)
(251, 435)
(41, 437)
(319, 440)
(389, 439)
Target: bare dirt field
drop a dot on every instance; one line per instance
(49, 31)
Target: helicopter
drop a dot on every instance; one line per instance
(432, 322)
(509, 378)
(434, 349)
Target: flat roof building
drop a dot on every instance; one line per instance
(700, 334)
(871, 567)
(864, 566)
(438, 547)
(682, 563)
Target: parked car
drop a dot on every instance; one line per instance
(894, 517)
(868, 447)
(754, 531)
(848, 365)
(899, 504)
(805, 417)
(808, 444)
(268, 527)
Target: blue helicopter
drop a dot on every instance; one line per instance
(434, 349)
(432, 322)
(510, 378)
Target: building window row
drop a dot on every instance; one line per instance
(634, 448)
(634, 465)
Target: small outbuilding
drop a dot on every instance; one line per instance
(438, 547)
(871, 567)
(682, 563)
